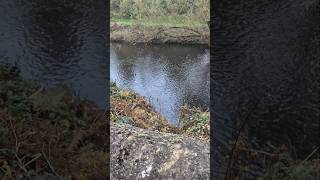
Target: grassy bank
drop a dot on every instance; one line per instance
(195, 10)
(160, 21)
(49, 133)
(131, 108)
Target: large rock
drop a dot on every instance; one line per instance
(142, 154)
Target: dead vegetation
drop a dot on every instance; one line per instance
(131, 108)
(195, 122)
(269, 162)
(49, 134)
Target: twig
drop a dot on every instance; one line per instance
(48, 162)
(259, 151)
(21, 164)
(49, 149)
(39, 90)
(310, 155)
(32, 160)
(15, 135)
(238, 136)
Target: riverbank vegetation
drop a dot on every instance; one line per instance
(160, 21)
(269, 162)
(131, 108)
(251, 157)
(192, 10)
(49, 133)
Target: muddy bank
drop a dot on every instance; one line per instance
(158, 35)
(49, 133)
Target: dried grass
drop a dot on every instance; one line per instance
(49, 133)
(131, 108)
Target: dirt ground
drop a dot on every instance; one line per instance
(176, 35)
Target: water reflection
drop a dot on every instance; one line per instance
(169, 75)
(58, 42)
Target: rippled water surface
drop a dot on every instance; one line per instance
(58, 42)
(265, 77)
(65, 42)
(168, 75)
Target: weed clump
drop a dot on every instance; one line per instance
(128, 107)
(195, 122)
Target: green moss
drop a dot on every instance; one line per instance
(124, 119)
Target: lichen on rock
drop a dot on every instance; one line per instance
(144, 154)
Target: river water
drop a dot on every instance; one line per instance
(169, 76)
(58, 43)
(66, 43)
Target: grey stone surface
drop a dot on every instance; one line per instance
(142, 154)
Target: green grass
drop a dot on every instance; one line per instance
(160, 22)
(127, 22)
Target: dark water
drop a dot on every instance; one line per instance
(58, 42)
(265, 77)
(168, 75)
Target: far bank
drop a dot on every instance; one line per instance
(135, 31)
